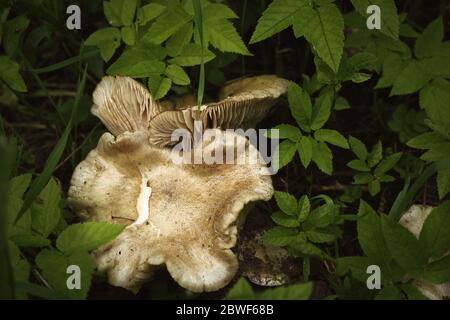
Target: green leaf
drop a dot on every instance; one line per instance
(321, 111)
(286, 202)
(434, 99)
(387, 164)
(320, 235)
(45, 210)
(321, 217)
(242, 290)
(358, 148)
(426, 140)
(149, 12)
(341, 104)
(285, 220)
(389, 16)
(393, 65)
(287, 131)
(217, 11)
(301, 291)
(389, 293)
(284, 153)
(374, 187)
(323, 157)
(331, 136)
(375, 155)
(87, 236)
(128, 35)
(177, 75)
(167, 24)
(280, 236)
(443, 183)
(224, 37)
(430, 40)
(179, 40)
(9, 74)
(300, 106)
(18, 185)
(359, 165)
(54, 266)
(304, 207)
(159, 86)
(407, 251)
(356, 265)
(435, 235)
(438, 271)
(412, 292)
(323, 27)
(107, 40)
(276, 18)
(362, 178)
(411, 79)
(305, 150)
(191, 55)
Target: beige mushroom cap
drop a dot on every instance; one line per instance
(187, 214)
(413, 220)
(243, 103)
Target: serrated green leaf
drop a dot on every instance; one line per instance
(182, 37)
(429, 41)
(177, 75)
(393, 65)
(357, 265)
(358, 148)
(359, 165)
(321, 111)
(305, 151)
(286, 131)
(18, 185)
(320, 235)
(45, 210)
(387, 164)
(434, 235)
(375, 155)
(159, 86)
(374, 187)
(285, 220)
(426, 140)
(362, 178)
(9, 74)
(276, 18)
(331, 136)
(284, 153)
(300, 106)
(149, 12)
(87, 236)
(128, 35)
(323, 157)
(443, 183)
(280, 236)
(191, 56)
(224, 37)
(304, 207)
(411, 79)
(107, 40)
(323, 27)
(434, 99)
(286, 202)
(320, 217)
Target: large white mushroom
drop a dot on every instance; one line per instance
(183, 216)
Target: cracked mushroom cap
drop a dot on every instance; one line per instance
(182, 216)
(242, 104)
(413, 220)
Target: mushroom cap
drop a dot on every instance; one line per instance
(413, 220)
(123, 104)
(187, 213)
(243, 103)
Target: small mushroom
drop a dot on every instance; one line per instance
(413, 220)
(242, 104)
(183, 216)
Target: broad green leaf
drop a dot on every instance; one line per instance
(320, 217)
(387, 164)
(434, 99)
(242, 290)
(358, 148)
(304, 207)
(323, 157)
(182, 37)
(362, 178)
(407, 251)
(18, 185)
(29, 238)
(301, 291)
(191, 56)
(357, 265)
(426, 140)
(287, 131)
(276, 18)
(323, 27)
(107, 40)
(331, 136)
(217, 11)
(167, 24)
(359, 165)
(128, 35)
(149, 12)
(443, 183)
(393, 65)
(320, 235)
(388, 14)
(54, 266)
(305, 151)
(286, 202)
(375, 155)
(341, 104)
(177, 75)
(321, 111)
(284, 153)
(9, 74)
(285, 220)
(438, 271)
(429, 41)
(159, 86)
(374, 187)
(280, 236)
(435, 235)
(300, 247)
(112, 13)
(87, 236)
(411, 79)
(45, 210)
(223, 36)
(300, 106)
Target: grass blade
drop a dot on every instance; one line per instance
(52, 161)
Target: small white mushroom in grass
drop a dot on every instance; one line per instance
(413, 220)
(182, 216)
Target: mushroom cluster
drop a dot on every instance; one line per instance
(183, 216)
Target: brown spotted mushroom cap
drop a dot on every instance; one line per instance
(242, 104)
(181, 216)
